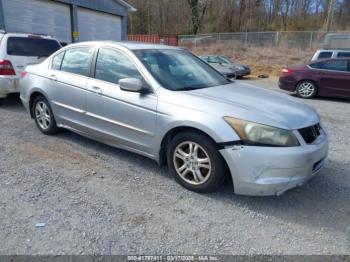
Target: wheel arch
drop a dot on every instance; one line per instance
(32, 97)
(170, 134)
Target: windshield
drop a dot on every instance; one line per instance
(23, 46)
(224, 60)
(179, 70)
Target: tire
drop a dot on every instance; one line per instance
(43, 116)
(212, 172)
(306, 89)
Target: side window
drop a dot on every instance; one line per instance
(112, 65)
(324, 55)
(78, 60)
(316, 65)
(57, 61)
(335, 65)
(343, 54)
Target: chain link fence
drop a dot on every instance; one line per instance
(295, 39)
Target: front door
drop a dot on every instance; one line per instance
(125, 118)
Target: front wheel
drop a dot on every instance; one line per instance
(306, 89)
(195, 162)
(43, 116)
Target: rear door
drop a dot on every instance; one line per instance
(334, 77)
(24, 51)
(69, 73)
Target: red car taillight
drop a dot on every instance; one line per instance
(6, 68)
(287, 71)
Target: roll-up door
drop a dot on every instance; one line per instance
(95, 25)
(38, 16)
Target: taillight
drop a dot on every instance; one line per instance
(6, 68)
(23, 74)
(287, 71)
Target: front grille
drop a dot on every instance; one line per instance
(231, 75)
(310, 133)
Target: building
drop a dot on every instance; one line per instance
(67, 20)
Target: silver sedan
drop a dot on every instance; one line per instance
(167, 104)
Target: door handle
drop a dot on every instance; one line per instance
(96, 90)
(53, 77)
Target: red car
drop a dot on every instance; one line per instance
(328, 77)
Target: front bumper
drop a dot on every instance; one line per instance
(8, 85)
(244, 72)
(265, 171)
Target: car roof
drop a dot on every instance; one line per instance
(212, 56)
(333, 50)
(129, 45)
(26, 35)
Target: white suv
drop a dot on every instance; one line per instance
(330, 53)
(16, 52)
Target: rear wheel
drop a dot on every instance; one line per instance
(306, 89)
(43, 116)
(195, 162)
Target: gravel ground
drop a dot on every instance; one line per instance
(95, 199)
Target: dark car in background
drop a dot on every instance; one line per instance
(226, 67)
(328, 77)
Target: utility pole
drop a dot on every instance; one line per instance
(329, 19)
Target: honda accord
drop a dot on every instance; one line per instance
(167, 104)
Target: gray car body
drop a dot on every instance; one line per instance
(227, 69)
(144, 120)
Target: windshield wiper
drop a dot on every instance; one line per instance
(187, 88)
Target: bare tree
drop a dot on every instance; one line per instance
(198, 9)
(208, 16)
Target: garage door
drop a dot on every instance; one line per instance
(98, 26)
(38, 16)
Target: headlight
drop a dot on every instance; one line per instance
(257, 134)
(239, 67)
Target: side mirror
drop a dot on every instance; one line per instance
(131, 85)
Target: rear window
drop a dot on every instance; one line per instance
(22, 46)
(343, 54)
(324, 55)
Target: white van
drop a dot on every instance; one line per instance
(19, 50)
(330, 53)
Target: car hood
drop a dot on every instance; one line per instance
(251, 103)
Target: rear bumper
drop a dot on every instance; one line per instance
(265, 171)
(8, 85)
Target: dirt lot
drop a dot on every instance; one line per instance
(95, 199)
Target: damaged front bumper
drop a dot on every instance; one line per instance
(265, 171)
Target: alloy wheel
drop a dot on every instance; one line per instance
(192, 163)
(42, 115)
(306, 89)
